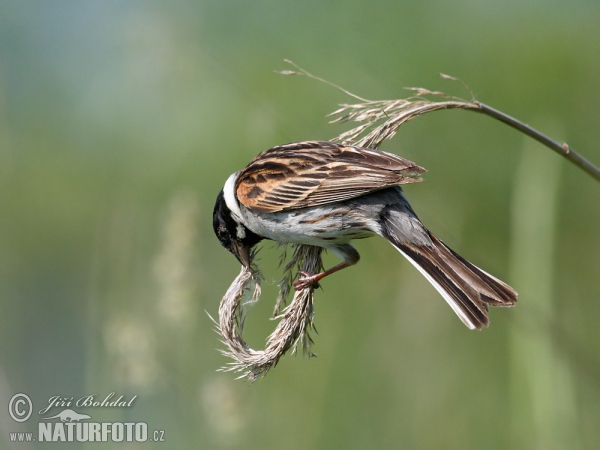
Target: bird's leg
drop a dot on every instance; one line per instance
(306, 279)
(345, 251)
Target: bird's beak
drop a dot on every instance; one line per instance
(242, 253)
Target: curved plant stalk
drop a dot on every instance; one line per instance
(562, 149)
(380, 119)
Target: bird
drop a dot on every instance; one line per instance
(327, 194)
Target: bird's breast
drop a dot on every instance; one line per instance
(319, 226)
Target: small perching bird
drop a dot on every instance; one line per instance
(325, 194)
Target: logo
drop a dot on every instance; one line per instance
(70, 425)
(68, 415)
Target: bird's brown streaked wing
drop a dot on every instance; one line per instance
(317, 173)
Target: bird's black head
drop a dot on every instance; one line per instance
(233, 235)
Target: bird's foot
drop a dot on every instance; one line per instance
(306, 280)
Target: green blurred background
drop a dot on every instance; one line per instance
(119, 123)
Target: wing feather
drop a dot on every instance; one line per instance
(315, 173)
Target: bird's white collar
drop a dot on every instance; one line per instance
(230, 197)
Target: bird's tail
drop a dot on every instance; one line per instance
(467, 289)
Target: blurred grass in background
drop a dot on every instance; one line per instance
(119, 123)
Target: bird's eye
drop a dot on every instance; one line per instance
(222, 231)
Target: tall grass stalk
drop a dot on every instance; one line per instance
(543, 411)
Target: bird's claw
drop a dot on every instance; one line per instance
(305, 280)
